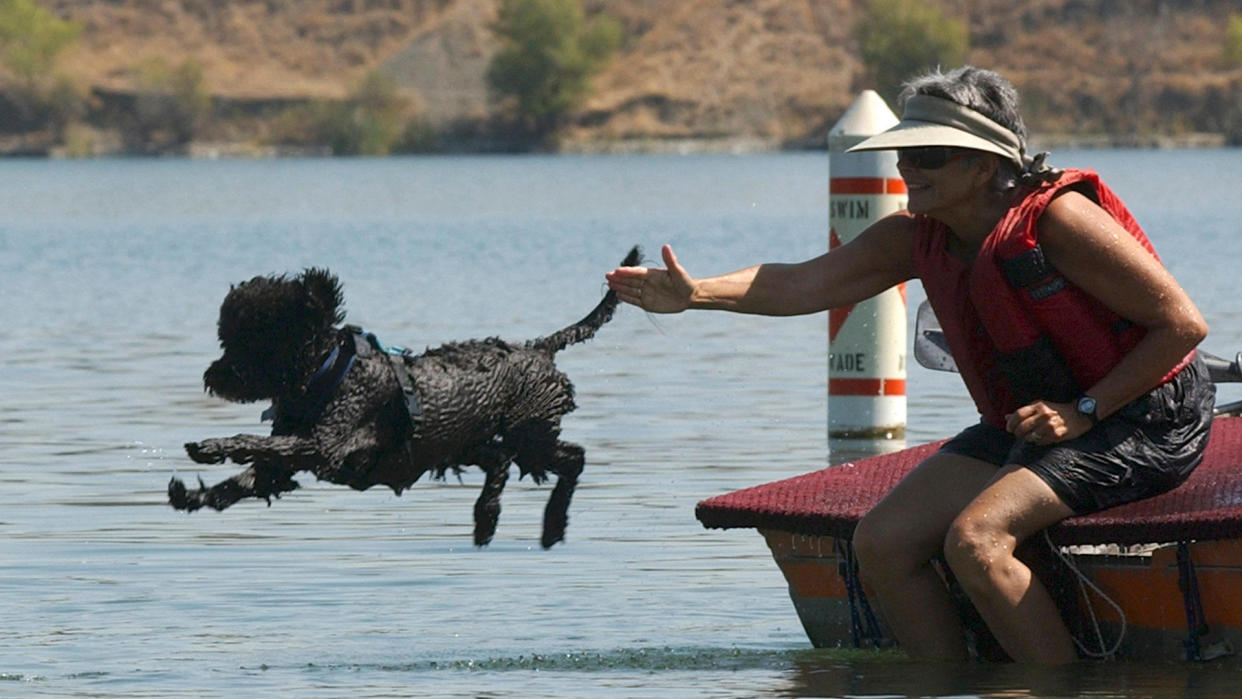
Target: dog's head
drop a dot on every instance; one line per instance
(274, 332)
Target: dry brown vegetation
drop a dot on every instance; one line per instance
(248, 48)
(776, 70)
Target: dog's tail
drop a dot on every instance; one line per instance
(585, 329)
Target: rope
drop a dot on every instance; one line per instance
(864, 628)
(1083, 583)
(1187, 581)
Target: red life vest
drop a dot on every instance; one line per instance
(1018, 330)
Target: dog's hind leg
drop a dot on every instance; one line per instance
(495, 464)
(569, 461)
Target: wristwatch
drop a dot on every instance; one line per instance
(1086, 406)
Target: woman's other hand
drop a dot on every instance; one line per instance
(1045, 422)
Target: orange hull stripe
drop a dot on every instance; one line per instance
(1149, 595)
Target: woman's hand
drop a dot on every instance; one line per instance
(654, 289)
(1045, 423)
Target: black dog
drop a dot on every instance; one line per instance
(357, 414)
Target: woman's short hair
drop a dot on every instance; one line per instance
(984, 91)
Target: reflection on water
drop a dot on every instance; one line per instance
(112, 275)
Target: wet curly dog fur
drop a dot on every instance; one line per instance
(354, 413)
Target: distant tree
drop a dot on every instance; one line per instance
(419, 136)
(1233, 41)
(170, 104)
(63, 102)
(548, 54)
(898, 38)
(31, 38)
(1230, 112)
(372, 120)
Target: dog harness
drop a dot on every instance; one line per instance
(354, 343)
(364, 343)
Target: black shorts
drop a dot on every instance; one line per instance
(1148, 447)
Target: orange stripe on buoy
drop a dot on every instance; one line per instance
(866, 387)
(866, 185)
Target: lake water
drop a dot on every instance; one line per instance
(111, 275)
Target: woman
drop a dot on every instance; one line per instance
(1075, 343)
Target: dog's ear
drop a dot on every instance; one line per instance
(323, 296)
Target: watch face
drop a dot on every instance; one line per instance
(1086, 405)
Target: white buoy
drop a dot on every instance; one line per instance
(866, 342)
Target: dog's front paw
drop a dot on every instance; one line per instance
(181, 498)
(206, 452)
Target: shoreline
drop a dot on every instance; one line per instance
(739, 145)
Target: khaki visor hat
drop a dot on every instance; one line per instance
(932, 121)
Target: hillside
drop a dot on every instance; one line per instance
(772, 71)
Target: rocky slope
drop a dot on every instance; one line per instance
(774, 71)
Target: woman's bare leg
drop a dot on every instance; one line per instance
(896, 541)
(979, 548)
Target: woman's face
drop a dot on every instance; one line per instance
(941, 180)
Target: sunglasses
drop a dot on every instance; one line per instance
(931, 157)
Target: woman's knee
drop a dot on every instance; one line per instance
(973, 548)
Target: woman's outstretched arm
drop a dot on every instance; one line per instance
(877, 259)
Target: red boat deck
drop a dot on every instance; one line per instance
(829, 502)
(1167, 598)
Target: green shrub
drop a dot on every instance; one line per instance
(170, 104)
(1233, 41)
(419, 136)
(80, 141)
(30, 40)
(548, 54)
(36, 97)
(64, 102)
(371, 121)
(899, 38)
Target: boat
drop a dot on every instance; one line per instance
(1160, 578)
